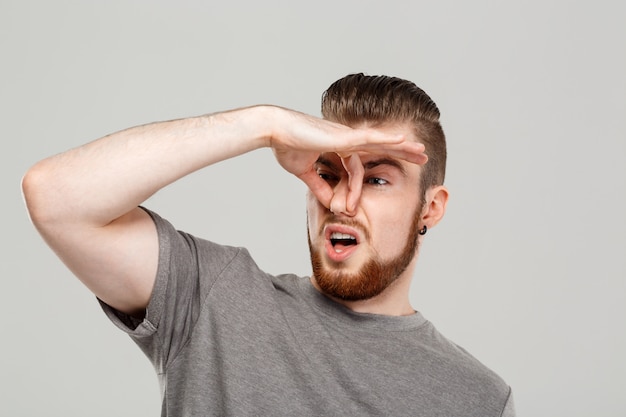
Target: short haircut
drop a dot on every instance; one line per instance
(359, 98)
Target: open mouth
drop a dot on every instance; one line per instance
(341, 241)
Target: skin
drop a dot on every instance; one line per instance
(84, 202)
(385, 219)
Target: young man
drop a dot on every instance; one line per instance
(227, 338)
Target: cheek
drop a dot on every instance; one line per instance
(312, 214)
(392, 231)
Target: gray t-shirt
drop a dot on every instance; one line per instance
(228, 339)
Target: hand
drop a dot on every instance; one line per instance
(299, 140)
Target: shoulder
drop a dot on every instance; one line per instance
(179, 246)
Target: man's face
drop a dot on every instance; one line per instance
(357, 256)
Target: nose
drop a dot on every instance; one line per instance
(346, 196)
(339, 202)
(347, 192)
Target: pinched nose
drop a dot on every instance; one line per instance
(346, 196)
(347, 192)
(339, 202)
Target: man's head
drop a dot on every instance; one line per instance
(376, 100)
(358, 256)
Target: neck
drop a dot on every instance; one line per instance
(393, 301)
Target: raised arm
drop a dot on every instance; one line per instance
(84, 202)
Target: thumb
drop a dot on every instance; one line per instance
(320, 188)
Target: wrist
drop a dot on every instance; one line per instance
(266, 119)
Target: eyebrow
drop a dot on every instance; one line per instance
(368, 165)
(327, 163)
(385, 161)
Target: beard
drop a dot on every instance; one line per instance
(373, 277)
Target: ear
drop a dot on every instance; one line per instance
(435, 207)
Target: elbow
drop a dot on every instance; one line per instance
(37, 192)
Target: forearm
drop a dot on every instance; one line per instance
(101, 181)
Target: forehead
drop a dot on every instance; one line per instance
(406, 128)
(371, 160)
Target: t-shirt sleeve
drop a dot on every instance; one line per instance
(509, 408)
(187, 269)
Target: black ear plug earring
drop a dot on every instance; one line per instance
(423, 231)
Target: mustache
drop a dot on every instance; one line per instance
(348, 222)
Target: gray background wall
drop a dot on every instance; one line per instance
(527, 270)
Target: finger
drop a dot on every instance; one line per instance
(412, 152)
(355, 170)
(409, 151)
(345, 140)
(320, 188)
(375, 137)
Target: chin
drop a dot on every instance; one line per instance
(349, 282)
(354, 284)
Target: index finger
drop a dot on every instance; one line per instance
(409, 151)
(353, 166)
(361, 139)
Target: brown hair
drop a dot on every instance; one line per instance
(358, 98)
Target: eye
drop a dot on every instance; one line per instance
(327, 176)
(376, 181)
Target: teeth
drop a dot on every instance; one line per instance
(337, 235)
